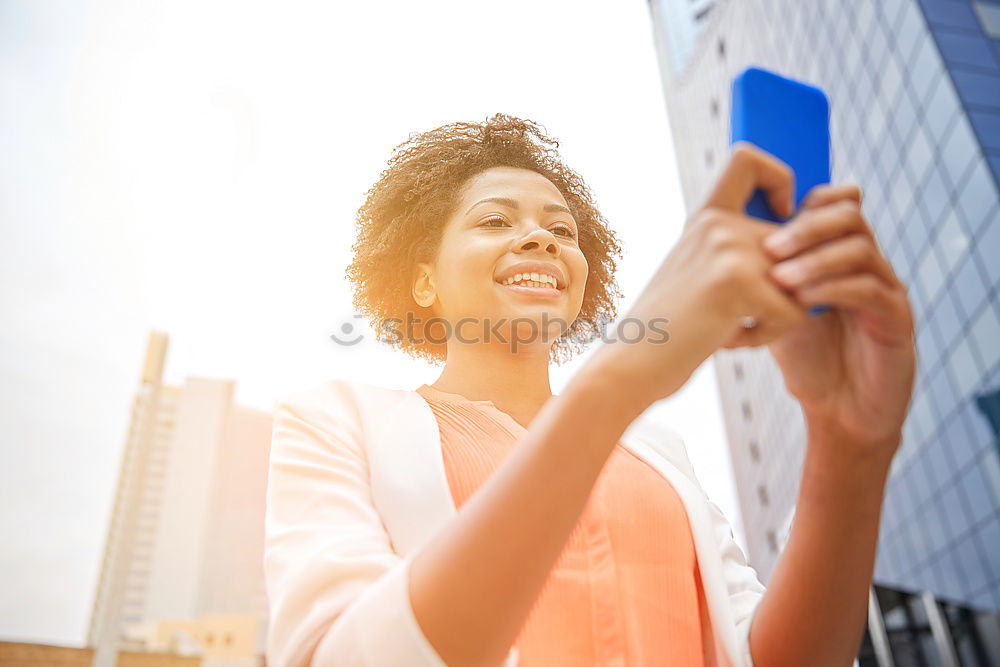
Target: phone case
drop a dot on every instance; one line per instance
(790, 120)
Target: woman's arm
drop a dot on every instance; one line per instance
(473, 586)
(853, 371)
(815, 608)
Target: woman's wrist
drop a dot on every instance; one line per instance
(644, 372)
(609, 376)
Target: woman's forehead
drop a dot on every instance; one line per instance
(510, 183)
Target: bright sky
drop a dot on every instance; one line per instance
(195, 167)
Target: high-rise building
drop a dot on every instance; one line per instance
(186, 534)
(914, 89)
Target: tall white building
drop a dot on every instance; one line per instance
(186, 535)
(914, 90)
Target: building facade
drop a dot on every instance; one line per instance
(185, 540)
(914, 89)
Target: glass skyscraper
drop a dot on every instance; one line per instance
(914, 90)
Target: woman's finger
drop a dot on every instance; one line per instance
(821, 195)
(748, 169)
(815, 226)
(854, 253)
(777, 312)
(881, 306)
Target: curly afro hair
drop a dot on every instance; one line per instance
(404, 213)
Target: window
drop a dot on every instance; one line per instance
(772, 541)
(746, 411)
(681, 22)
(989, 17)
(762, 494)
(989, 405)
(754, 451)
(738, 370)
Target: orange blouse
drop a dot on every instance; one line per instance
(626, 589)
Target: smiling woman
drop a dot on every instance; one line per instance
(482, 520)
(474, 187)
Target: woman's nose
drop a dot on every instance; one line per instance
(539, 238)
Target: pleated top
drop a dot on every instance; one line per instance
(626, 589)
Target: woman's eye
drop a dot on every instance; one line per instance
(487, 221)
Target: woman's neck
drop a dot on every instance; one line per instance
(516, 383)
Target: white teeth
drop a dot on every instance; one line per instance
(534, 279)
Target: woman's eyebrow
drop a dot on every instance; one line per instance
(512, 203)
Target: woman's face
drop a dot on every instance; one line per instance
(508, 221)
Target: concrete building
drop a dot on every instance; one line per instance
(186, 535)
(219, 640)
(24, 654)
(914, 89)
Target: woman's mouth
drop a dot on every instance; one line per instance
(527, 287)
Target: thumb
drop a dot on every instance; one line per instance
(751, 168)
(821, 195)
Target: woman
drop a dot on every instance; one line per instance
(482, 520)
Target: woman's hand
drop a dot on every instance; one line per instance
(852, 368)
(716, 274)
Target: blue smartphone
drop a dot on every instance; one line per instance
(790, 120)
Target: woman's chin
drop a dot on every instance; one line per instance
(534, 327)
(538, 313)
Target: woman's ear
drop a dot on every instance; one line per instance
(423, 286)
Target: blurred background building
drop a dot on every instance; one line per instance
(26, 654)
(183, 562)
(914, 90)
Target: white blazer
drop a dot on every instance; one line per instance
(357, 484)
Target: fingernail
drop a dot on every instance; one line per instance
(788, 271)
(779, 241)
